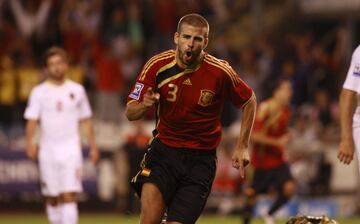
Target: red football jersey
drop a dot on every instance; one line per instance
(191, 100)
(272, 124)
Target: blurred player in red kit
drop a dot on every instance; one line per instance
(187, 86)
(269, 139)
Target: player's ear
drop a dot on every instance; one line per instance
(206, 41)
(176, 38)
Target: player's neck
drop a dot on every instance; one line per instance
(199, 60)
(56, 82)
(194, 65)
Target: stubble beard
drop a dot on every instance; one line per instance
(57, 76)
(193, 60)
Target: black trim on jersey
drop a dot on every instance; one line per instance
(174, 70)
(155, 132)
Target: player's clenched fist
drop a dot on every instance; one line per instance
(150, 98)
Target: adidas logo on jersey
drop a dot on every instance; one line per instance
(187, 82)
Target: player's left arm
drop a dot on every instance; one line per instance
(242, 96)
(241, 155)
(89, 132)
(346, 150)
(86, 125)
(347, 102)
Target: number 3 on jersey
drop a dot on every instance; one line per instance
(172, 92)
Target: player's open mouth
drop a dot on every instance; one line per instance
(188, 55)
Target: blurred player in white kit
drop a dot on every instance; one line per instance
(59, 106)
(350, 120)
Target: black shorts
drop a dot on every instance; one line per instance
(274, 179)
(183, 176)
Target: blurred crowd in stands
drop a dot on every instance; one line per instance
(109, 41)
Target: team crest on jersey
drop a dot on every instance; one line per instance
(72, 96)
(357, 70)
(135, 94)
(206, 97)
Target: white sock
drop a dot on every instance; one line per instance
(53, 214)
(69, 213)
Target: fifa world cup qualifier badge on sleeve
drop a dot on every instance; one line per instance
(135, 94)
(356, 71)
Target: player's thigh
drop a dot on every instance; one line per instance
(52, 200)
(68, 197)
(151, 196)
(152, 203)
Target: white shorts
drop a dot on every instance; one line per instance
(60, 176)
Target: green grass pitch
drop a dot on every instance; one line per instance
(113, 218)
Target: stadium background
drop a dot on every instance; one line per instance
(309, 41)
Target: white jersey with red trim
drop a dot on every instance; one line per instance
(58, 108)
(352, 82)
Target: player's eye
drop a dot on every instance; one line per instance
(199, 39)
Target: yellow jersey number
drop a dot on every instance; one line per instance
(172, 92)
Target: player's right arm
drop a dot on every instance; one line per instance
(346, 147)
(143, 95)
(31, 147)
(136, 109)
(32, 115)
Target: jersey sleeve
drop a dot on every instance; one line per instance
(146, 79)
(239, 92)
(84, 105)
(32, 111)
(352, 81)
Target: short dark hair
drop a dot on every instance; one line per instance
(194, 19)
(55, 50)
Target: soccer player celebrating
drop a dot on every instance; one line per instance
(188, 87)
(58, 106)
(268, 155)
